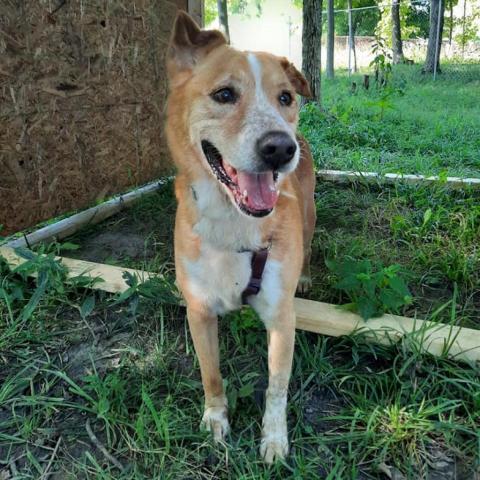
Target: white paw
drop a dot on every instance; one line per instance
(274, 447)
(304, 284)
(215, 420)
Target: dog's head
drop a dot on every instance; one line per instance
(240, 112)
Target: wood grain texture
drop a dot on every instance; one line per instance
(82, 92)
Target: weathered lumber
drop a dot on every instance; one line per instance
(112, 276)
(435, 338)
(341, 176)
(70, 225)
(318, 317)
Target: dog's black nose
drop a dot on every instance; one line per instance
(276, 149)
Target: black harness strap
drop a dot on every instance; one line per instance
(259, 259)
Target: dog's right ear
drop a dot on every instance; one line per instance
(189, 44)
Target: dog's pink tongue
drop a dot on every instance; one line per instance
(260, 188)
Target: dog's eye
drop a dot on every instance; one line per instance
(225, 95)
(285, 98)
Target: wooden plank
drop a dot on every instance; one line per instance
(112, 276)
(70, 225)
(341, 176)
(318, 317)
(327, 319)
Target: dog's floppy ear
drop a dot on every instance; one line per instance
(189, 44)
(296, 78)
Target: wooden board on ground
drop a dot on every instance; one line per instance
(318, 317)
(341, 176)
(70, 225)
(435, 338)
(113, 281)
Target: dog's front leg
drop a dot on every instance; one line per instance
(204, 329)
(281, 340)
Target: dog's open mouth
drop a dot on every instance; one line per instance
(255, 193)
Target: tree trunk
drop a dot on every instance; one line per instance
(311, 46)
(463, 28)
(450, 30)
(397, 47)
(330, 39)
(351, 41)
(223, 17)
(354, 49)
(437, 10)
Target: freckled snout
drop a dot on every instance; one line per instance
(276, 149)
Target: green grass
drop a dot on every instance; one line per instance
(431, 232)
(416, 125)
(124, 366)
(128, 369)
(354, 408)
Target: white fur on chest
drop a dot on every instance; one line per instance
(222, 271)
(218, 278)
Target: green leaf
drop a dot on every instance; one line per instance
(26, 253)
(246, 390)
(37, 296)
(347, 283)
(367, 309)
(349, 307)
(391, 300)
(427, 216)
(370, 288)
(232, 396)
(87, 306)
(103, 406)
(69, 246)
(398, 285)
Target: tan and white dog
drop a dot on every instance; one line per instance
(245, 182)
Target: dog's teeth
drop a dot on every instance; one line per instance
(245, 195)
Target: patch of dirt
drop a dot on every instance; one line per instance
(322, 402)
(114, 246)
(443, 465)
(100, 345)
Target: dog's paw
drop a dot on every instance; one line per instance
(215, 420)
(274, 447)
(304, 284)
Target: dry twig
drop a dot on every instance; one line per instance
(101, 447)
(50, 462)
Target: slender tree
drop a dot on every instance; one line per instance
(450, 26)
(351, 40)
(463, 27)
(330, 39)
(311, 46)
(437, 11)
(223, 17)
(397, 46)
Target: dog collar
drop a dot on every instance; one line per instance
(259, 259)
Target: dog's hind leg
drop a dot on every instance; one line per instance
(281, 339)
(306, 177)
(305, 281)
(204, 330)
